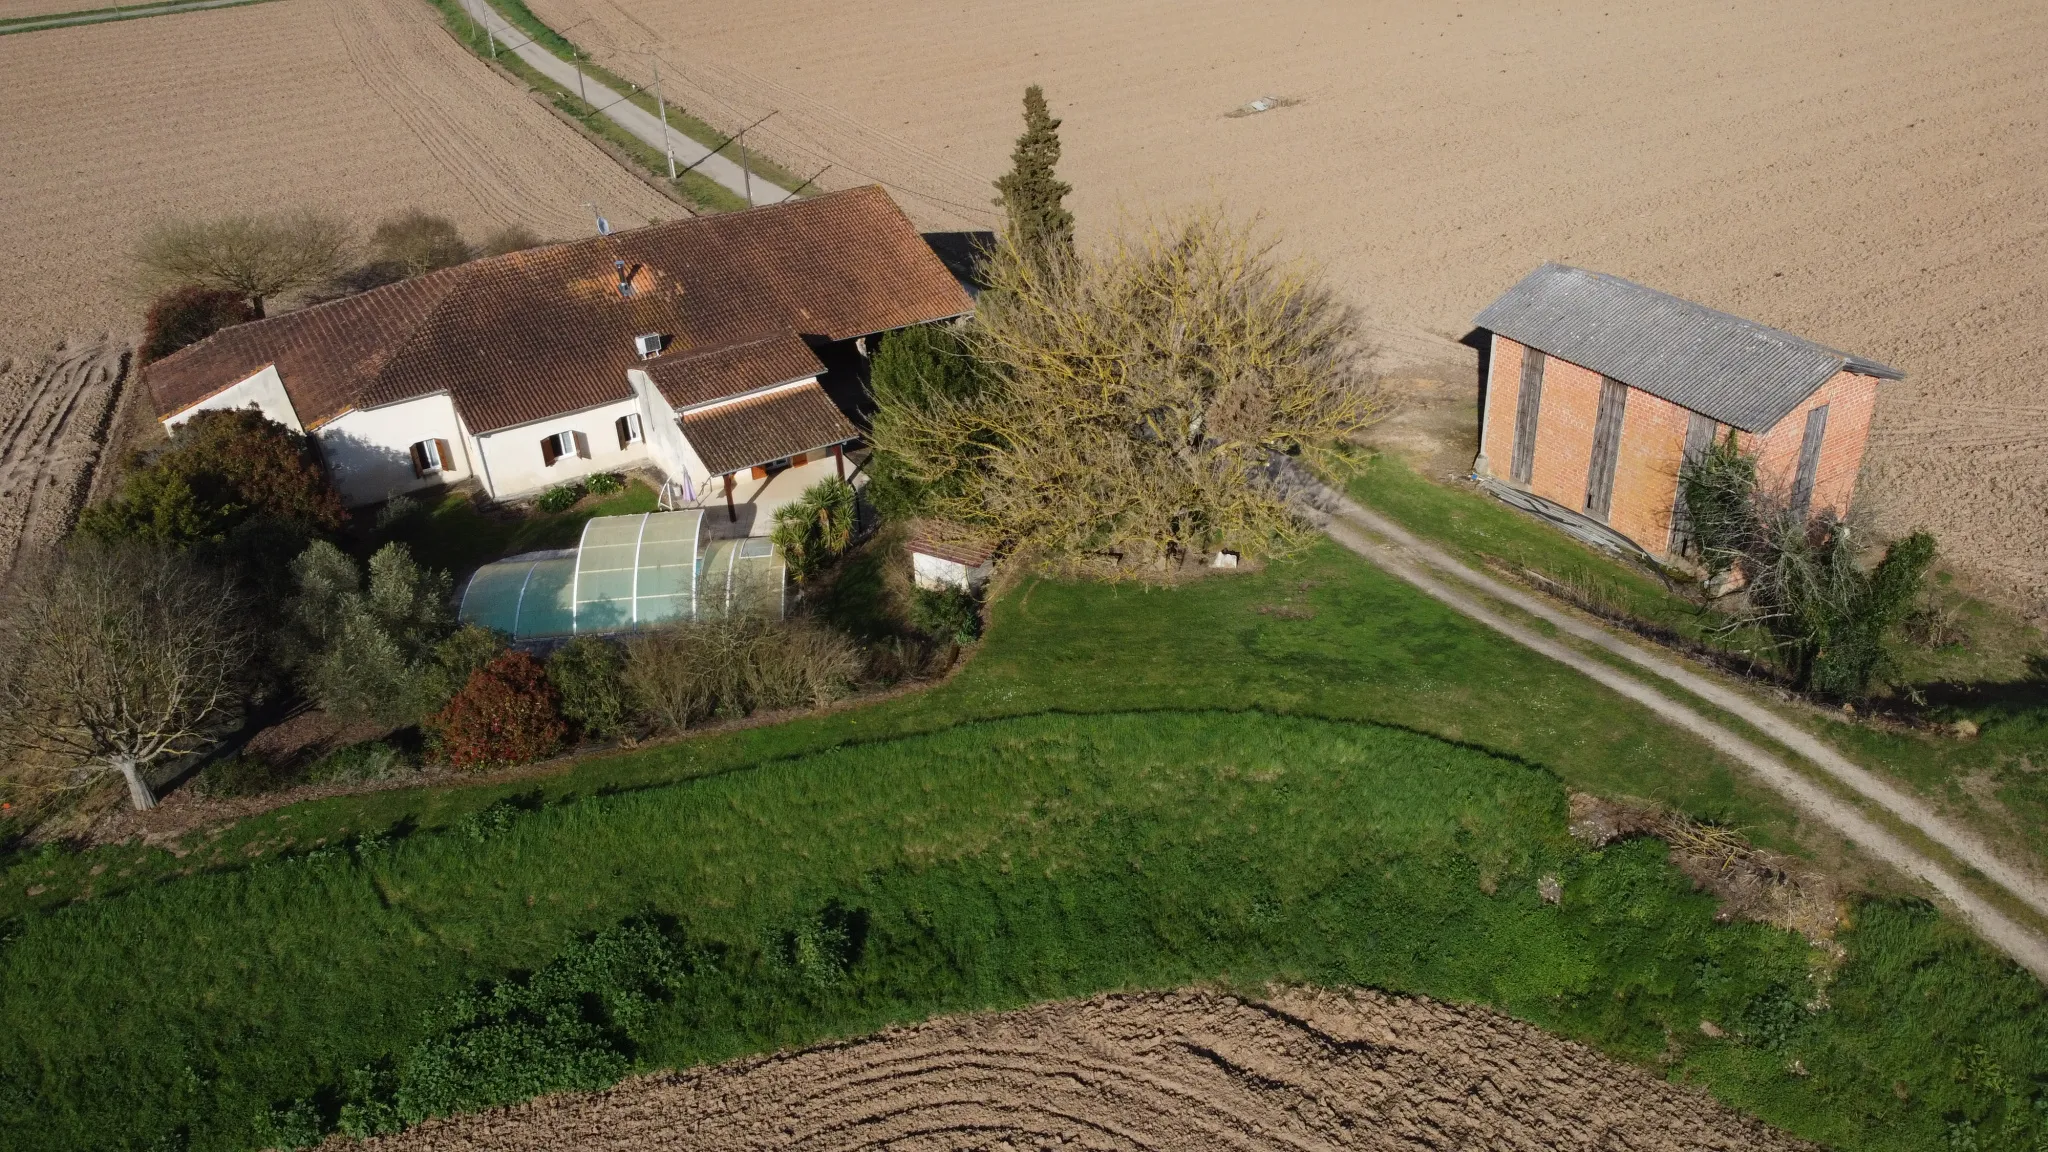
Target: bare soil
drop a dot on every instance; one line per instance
(1195, 1070)
(356, 107)
(55, 412)
(1862, 172)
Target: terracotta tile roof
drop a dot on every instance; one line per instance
(952, 542)
(688, 379)
(328, 354)
(758, 429)
(534, 334)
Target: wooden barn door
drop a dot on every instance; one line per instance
(1699, 440)
(1606, 447)
(1528, 404)
(1809, 461)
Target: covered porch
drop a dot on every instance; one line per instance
(748, 508)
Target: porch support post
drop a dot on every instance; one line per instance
(839, 460)
(731, 513)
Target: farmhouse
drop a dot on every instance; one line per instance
(699, 347)
(1599, 389)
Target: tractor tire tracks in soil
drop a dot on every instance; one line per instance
(1304, 1070)
(53, 424)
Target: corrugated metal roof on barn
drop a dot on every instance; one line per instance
(1737, 371)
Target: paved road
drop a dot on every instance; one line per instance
(66, 21)
(627, 115)
(1387, 545)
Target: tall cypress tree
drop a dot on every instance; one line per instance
(1031, 193)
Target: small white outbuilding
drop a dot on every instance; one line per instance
(945, 558)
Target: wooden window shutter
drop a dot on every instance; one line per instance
(419, 462)
(447, 454)
(625, 431)
(582, 445)
(549, 453)
(799, 460)
(1606, 447)
(1809, 461)
(1699, 440)
(1528, 405)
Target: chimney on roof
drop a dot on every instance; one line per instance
(625, 277)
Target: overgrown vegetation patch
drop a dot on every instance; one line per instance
(988, 866)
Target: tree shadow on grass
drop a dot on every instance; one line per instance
(1995, 699)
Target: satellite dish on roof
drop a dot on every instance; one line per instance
(604, 226)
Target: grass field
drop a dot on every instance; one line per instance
(1070, 812)
(991, 866)
(1998, 680)
(1322, 635)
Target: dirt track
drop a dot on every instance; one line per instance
(1863, 172)
(1185, 1070)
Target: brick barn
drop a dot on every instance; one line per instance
(1597, 389)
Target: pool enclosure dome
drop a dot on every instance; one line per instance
(626, 572)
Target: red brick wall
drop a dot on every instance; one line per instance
(1653, 441)
(1646, 479)
(1564, 432)
(1851, 401)
(1503, 385)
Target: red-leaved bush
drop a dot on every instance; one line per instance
(508, 713)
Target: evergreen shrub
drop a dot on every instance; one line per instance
(560, 498)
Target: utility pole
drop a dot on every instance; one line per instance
(662, 105)
(488, 38)
(746, 175)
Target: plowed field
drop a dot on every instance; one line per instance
(1863, 172)
(54, 414)
(1192, 1071)
(358, 107)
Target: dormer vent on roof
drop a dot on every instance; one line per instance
(649, 344)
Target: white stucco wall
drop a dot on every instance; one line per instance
(264, 391)
(369, 451)
(929, 571)
(510, 461)
(665, 443)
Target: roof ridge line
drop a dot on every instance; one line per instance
(1744, 321)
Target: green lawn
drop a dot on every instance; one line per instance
(1998, 680)
(993, 865)
(1324, 634)
(1089, 803)
(455, 535)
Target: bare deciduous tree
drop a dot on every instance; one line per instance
(119, 657)
(416, 242)
(510, 238)
(260, 257)
(1138, 398)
